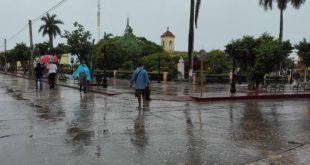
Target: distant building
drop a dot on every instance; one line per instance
(168, 41)
(68, 59)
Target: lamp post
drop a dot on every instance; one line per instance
(105, 81)
(233, 81)
(292, 70)
(158, 77)
(5, 61)
(92, 54)
(202, 54)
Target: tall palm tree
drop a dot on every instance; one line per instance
(50, 27)
(194, 12)
(282, 5)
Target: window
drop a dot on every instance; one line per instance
(170, 44)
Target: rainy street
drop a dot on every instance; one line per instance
(64, 126)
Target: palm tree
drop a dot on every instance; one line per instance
(194, 12)
(50, 27)
(282, 5)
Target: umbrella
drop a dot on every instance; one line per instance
(48, 58)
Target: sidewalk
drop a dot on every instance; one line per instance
(186, 91)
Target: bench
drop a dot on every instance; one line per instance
(62, 77)
(299, 87)
(274, 87)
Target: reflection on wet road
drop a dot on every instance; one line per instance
(64, 126)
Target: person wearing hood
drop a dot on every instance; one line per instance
(83, 73)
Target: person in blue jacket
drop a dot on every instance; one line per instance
(141, 80)
(84, 75)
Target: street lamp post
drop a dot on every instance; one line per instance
(292, 70)
(202, 54)
(233, 81)
(158, 77)
(105, 81)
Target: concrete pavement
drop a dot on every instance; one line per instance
(64, 126)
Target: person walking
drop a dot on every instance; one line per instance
(141, 80)
(83, 73)
(52, 70)
(39, 69)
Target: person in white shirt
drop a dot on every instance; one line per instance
(52, 70)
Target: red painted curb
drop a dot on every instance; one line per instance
(257, 97)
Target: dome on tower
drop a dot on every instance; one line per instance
(167, 34)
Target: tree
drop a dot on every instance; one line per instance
(11, 59)
(22, 53)
(193, 19)
(150, 62)
(79, 42)
(59, 50)
(217, 62)
(282, 5)
(42, 48)
(124, 51)
(258, 56)
(303, 51)
(50, 27)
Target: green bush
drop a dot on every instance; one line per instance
(213, 78)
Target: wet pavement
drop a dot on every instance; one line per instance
(64, 126)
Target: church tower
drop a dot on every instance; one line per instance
(167, 41)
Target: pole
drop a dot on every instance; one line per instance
(201, 77)
(105, 80)
(305, 76)
(5, 69)
(98, 20)
(158, 78)
(233, 81)
(202, 54)
(31, 49)
(92, 54)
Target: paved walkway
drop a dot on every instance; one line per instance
(64, 126)
(186, 91)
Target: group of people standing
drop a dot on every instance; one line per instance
(39, 72)
(82, 73)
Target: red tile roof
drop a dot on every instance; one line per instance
(168, 34)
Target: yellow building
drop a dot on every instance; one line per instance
(168, 41)
(64, 59)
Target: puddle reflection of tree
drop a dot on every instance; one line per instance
(80, 129)
(194, 144)
(255, 130)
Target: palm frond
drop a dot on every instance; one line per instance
(267, 4)
(297, 3)
(198, 2)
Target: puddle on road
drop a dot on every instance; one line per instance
(78, 132)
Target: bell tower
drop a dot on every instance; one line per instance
(168, 41)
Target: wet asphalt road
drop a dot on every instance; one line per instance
(64, 126)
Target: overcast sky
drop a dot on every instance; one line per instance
(220, 21)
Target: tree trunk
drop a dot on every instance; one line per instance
(51, 40)
(281, 25)
(191, 38)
